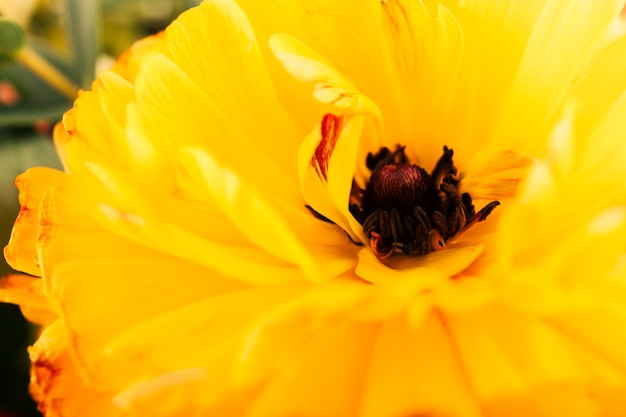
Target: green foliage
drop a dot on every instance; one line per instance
(12, 39)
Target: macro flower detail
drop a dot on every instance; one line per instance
(211, 247)
(407, 211)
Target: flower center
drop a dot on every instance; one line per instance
(405, 210)
(398, 187)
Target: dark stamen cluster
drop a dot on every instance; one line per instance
(407, 211)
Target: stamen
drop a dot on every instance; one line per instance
(405, 210)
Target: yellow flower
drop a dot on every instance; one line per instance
(206, 249)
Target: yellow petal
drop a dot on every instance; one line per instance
(327, 163)
(215, 47)
(250, 212)
(592, 331)
(56, 382)
(21, 253)
(350, 37)
(123, 208)
(102, 136)
(274, 338)
(329, 85)
(417, 373)
(23, 290)
(495, 35)
(428, 46)
(129, 63)
(564, 36)
(495, 346)
(145, 350)
(495, 176)
(339, 352)
(171, 393)
(594, 99)
(445, 263)
(242, 139)
(417, 284)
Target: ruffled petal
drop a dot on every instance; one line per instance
(215, 46)
(120, 207)
(21, 251)
(234, 138)
(56, 382)
(28, 293)
(250, 212)
(129, 63)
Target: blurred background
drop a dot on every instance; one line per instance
(48, 49)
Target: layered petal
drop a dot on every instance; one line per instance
(201, 249)
(57, 384)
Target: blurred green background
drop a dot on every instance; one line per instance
(77, 37)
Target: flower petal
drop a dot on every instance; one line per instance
(250, 212)
(215, 46)
(276, 337)
(28, 293)
(495, 175)
(428, 46)
(338, 352)
(129, 63)
(122, 207)
(505, 341)
(350, 37)
(20, 252)
(247, 147)
(56, 382)
(425, 370)
(590, 330)
(594, 100)
(147, 347)
(565, 35)
(329, 85)
(495, 35)
(326, 180)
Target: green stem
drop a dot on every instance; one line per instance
(46, 71)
